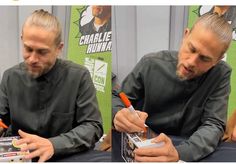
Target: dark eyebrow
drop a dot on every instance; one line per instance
(192, 47)
(201, 55)
(40, 49)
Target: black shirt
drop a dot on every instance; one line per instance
(60, 105)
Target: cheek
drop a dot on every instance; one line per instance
(183, 54)
(202, 68)
(182, 59)
(26, 56)
(49, 61)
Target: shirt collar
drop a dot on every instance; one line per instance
(52, 74)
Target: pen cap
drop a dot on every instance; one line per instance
(3, 125)
(124, 99)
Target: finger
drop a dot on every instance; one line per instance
(124, 125)
(127, 127)
(33, 154)
(134, 118)
(162, 137)
(142, 115)
(119, 126)
(44, 157)
(151, 159)
(130, 120)
(22, 141)
(31, 146)
(151, 152)
(23, 134)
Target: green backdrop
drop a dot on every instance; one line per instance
(98, 63)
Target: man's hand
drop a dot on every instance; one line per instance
(38, 146)
(127, 121)
(165, 153)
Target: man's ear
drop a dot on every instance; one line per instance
(59, 48)
(186, 32)
(61, 45)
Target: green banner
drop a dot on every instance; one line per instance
(90, 45)
(230, 56)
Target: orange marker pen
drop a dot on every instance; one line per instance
(128, 104)
(3, 125)
(126, 101)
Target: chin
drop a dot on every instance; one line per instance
(181, 76)
(34, 75)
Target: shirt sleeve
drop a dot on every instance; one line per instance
(209, 133)
(89, 123)
(4, 106)
(132, 86)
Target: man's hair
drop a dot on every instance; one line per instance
(46, 20)
(218, 25)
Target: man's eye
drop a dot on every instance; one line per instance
(28, 49)
(42, 52)
(205, 59)
(192, 50)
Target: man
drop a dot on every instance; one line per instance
(49, 102)
(184, 94)
(100, 23)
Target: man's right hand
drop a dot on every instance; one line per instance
(127, 121)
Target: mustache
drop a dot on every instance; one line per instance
(188, 67)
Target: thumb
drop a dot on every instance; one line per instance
(22, 134)
(162, 137)
(142, 115)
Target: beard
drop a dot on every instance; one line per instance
(35, 73)
(180, 74)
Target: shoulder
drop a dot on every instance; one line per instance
(14, 73)
(19, 68)
(160, 57)
(222, 66)
(72, 67)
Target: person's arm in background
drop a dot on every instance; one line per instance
(4, 106)
(230, 132)
(233, 135)
(1, 131)
(89, 123)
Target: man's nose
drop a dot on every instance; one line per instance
(33, 58)
(193, 60)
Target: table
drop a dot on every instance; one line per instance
(225, 152)
(86, 156)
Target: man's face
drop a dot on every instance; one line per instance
(101, 11)
(39, 50)
(200, 50)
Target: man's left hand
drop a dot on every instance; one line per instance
(38, 146)
(165, 153)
